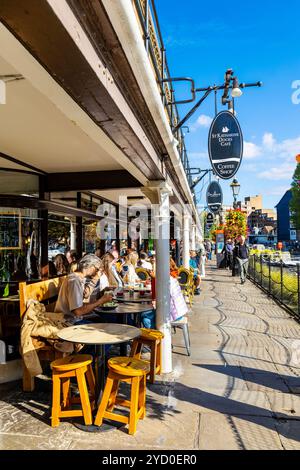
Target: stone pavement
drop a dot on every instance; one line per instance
(240, 389)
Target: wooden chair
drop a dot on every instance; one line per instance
(186, 282)
(45, 292)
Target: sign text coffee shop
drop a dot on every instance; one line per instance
(225, 145)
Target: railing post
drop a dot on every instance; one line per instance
(261, 273)
(269, 275)
(298, 276)
(281, 280)
(254, 273)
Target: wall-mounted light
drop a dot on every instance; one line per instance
(236, 92)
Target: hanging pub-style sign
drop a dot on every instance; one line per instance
(214, 197)
(225, 145)
(209, 220)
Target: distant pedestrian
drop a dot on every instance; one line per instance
(228, 253)
(208, 248)
(202, 258)
(241, 252)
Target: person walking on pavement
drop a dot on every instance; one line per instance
(242, 257)
(202, 258)
(228, 253)
(208, 248)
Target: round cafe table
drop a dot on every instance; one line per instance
(99, 334)
(136, 298)
(123, 311)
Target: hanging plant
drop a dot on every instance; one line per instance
(236, 223)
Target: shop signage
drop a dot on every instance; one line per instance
(214, 197)
(225, 145)
(209, 220)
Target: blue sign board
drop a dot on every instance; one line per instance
(225, 145)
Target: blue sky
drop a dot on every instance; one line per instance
(259, 41)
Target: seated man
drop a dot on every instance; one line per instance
(71, 294)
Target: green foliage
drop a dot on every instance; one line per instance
(295, 201)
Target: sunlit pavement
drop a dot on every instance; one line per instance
(240, 388)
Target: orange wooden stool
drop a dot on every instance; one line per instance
(151, 338)
(132, 371)
(62, 370)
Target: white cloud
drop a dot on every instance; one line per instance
(278, 191)
(251, 150)
(202, 121)
(282, 172)
(269, 141)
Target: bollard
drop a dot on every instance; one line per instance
(281, 280)
(298, 275)
(269, 275)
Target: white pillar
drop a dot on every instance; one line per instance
(193, 241)
(73, 235)
(163, 277)
(186, 241)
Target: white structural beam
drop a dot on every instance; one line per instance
(186, 240)
(159, 194)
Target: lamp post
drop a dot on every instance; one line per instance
(235, 186)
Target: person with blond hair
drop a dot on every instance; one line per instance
(108, 277)
(129, 274)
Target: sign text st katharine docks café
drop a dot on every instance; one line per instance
(225, 145)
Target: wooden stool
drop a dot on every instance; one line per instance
(151, 338)
(62, 370)
(132, 371)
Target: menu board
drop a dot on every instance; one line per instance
(10, 232)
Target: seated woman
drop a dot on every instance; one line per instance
(144, 262)
(129, 274)
(178, 306)
(61, 264)
(110, 276)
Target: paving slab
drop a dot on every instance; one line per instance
(219, 432)
(239, 389)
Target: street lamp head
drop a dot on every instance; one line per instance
(236, 92)
(235, 186)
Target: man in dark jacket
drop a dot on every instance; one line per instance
(241, 253)
(228, 253)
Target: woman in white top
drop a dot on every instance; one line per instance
(130, 276)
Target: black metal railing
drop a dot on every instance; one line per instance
(154, 45)
(278, 279)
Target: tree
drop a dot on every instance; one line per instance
(236, 223)
(295, 201)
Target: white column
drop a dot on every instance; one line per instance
(186, 241)
(193, 241)
(162, 245)
(73, 235)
